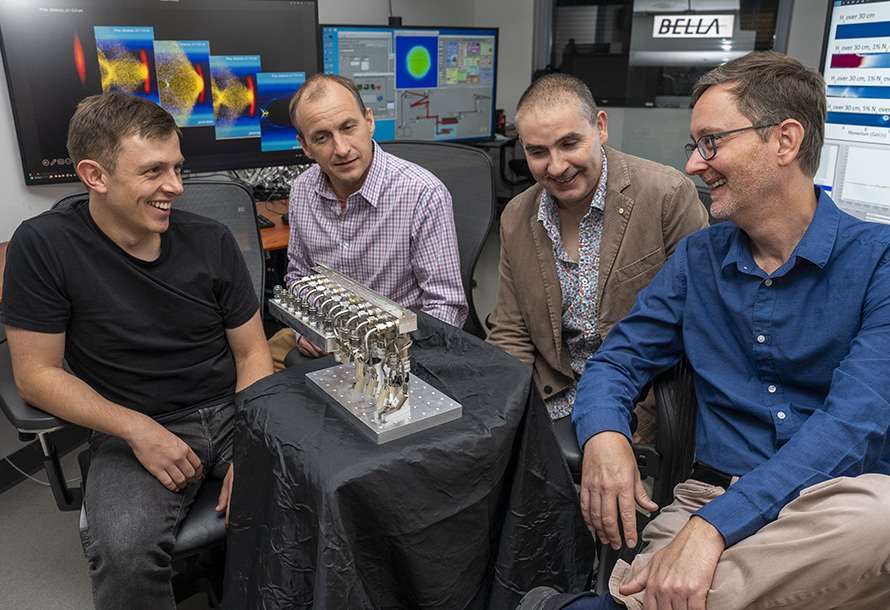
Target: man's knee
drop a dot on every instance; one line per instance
(129, 538)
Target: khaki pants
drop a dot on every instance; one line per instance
(280, 344)
(829, 548)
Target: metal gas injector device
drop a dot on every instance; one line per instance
(357, 324)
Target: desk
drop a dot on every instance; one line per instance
(274, 238)
(469, 514)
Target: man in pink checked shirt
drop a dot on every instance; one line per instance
(379, 219)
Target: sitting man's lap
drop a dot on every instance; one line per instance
(838, 527)
(132, 518)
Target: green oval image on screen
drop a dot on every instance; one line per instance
(418, 61)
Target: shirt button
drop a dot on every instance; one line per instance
(771, 389)
(768, 282)
(780, 415)
(346, 246)
(761, 338)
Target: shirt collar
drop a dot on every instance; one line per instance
(815, 245)
(372, 186)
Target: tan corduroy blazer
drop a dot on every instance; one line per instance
(649, 208)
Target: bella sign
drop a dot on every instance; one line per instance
(693, 26)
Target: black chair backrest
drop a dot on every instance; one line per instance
(468, 174)
(230, 203)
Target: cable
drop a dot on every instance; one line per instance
(38, 481)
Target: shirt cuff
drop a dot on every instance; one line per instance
(733, 516)
(591, 421)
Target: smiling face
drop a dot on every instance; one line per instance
(132, 204)
(336, 133)
(740, 175)
(564, 151)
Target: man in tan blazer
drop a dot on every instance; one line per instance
(578, 246)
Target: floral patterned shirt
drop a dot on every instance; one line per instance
(577, 282)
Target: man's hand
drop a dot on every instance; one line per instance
(679, 576)
(225, 494)
(309, 349)
(164, 455)
(611, 488)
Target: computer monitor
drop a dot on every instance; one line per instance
(422, 83)
(225, 69)
(856, 66)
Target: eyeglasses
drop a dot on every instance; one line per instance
(707, 145)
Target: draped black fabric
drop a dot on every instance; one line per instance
(469, 514)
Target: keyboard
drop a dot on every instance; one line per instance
(264, 222)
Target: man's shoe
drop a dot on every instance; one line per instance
(534, 599)
(548, 598)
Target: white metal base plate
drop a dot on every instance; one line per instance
(428, 406)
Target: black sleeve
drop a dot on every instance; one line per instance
(34, 296)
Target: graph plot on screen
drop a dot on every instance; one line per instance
(867, 179)
(856, 68)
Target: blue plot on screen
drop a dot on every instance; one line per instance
(127, 60)
(233, 82)
(417, 61)
(275, 90)
(183, 68)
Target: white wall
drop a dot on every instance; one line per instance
(412, 12)
(516, 22)
(807, 30)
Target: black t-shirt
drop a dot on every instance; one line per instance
(149, 336)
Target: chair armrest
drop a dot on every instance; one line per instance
(32, 422)
(25, 418)
(564, 430)
(677, 410)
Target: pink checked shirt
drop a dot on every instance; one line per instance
(396, 236)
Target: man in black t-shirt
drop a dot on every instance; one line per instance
(153, 310)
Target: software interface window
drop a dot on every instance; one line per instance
(422, 84)
(856, 66)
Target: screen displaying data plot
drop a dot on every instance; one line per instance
(233, 79)
(866, 178)
(127, 60)
(274, 91)
(183, 68)
(417, 62)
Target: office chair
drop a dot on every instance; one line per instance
(199, 547)
(704, 195)
(668, 461)
(468, 174)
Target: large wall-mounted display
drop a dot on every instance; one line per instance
(856, 66)
(225, 69)
(422, 83)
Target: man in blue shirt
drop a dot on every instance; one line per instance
(784, 314)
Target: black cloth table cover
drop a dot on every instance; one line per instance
(469, 514)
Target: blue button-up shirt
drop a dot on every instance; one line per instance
(792, 368)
